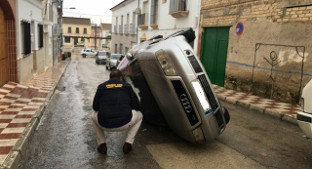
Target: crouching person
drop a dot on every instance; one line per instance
(116, 109)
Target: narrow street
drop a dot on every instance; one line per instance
(65, 137)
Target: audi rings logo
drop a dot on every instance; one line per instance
(186, 103)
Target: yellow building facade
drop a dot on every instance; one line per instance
(76, 32)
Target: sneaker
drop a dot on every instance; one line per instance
(102, 148)
(126, 148)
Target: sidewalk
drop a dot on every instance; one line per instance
(283, 111)
(22, 105)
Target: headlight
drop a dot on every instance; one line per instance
(201, 96)
(165, 63)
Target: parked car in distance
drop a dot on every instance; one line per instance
(112, 61)
(304, 117)
(88, 52)
(101, 57)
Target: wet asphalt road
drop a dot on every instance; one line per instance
(65, 137)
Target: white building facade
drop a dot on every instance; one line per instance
(29, 39)
(163, 17)
(124, 26)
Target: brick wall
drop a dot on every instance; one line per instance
(216, 13)
(281, 27)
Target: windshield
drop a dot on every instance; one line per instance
(115, 56)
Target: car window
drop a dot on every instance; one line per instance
(116, 56)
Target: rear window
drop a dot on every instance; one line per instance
(103, 53)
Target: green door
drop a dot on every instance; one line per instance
(214, 53)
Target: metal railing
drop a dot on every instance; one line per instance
(142, 19)
(121, 29)
(115, 28)
(132, 28)
(126, 30)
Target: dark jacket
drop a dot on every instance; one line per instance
(114, 100)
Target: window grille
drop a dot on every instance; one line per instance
(40, 31)
(26, 37)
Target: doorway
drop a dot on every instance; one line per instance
(4, 60)
(214, 53)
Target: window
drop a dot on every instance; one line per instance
(69, 30)
(116, 26)
(177, 5)
(75, 41)
(116, 46)
(26, 37)
(67, 39)
(84, 30)
(120, 48)
(77, 30)
(40, 32)
(126, 49)
(121, 25)
(154, 11)
(132, 27)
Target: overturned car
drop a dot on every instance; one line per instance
(173, 87)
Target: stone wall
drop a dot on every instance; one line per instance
(272, 57)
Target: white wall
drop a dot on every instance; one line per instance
(28, 10)
(123, 10)
(168, 24)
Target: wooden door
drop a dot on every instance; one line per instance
(4, 61)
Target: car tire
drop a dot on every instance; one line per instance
(84, 55)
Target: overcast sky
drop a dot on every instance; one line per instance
(97, 10)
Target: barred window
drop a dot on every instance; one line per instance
(177, 5)
(40, 32)
(154, 11)
(26, 36)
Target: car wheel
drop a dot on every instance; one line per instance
(84, 55)
(97, 62)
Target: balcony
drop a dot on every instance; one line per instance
(142, 21)
(115, 28)
(126, 26)
(178, 8)
(121, 29)
(132, 28)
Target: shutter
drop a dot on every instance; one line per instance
(174, 6)
(27, 38)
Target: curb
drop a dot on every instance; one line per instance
(19, 149)
(273, 113)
